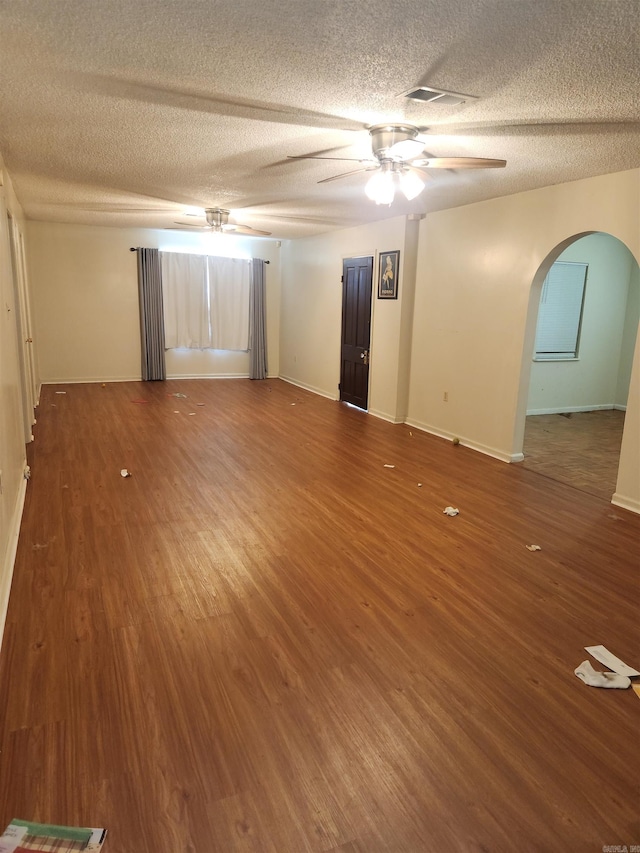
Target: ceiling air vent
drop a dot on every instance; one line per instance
(437, 96)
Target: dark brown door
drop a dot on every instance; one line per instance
(357, 277)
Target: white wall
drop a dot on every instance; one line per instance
(594, 380)
(472, 337)
(312, 312)
(85, 300)
(12, 438)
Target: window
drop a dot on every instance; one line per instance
(206, 301)
(560, 313)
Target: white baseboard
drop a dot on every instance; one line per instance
(385, 417)
(626, 503)
(139, 378)
(10, 556)
(306, 387)
(207, 376)
(91, 381)
(465, 442)
(565, 409)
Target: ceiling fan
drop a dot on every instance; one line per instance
(218, 222)
(399, 159)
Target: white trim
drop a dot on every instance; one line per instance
(494, 452)
(626, 503)
(306, 387)
(139, 378)
(10, 556)
(207, 376)
(385, 417)
(563, 409)
(88, 380)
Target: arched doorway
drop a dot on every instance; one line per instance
(572, 414)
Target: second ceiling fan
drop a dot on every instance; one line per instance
(399, 159)
(218, 222)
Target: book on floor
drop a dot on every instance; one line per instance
(22, 836)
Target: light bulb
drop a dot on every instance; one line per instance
(380, 187)
(411, 184)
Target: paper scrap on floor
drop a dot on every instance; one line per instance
(26, 835)
(605, 657)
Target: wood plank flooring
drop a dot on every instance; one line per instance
(581, 449)
(265, 640)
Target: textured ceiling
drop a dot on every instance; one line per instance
(122, 113)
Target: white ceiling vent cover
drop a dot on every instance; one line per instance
(437, 96)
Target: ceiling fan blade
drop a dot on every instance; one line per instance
(247, 229)
(345, 175)
(195, 101)
(316, 157)
(190, 227)
(458, 163)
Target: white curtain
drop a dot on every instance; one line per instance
(206, 301)
(186, 301)
(229, 287)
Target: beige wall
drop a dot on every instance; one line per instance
(312, 313)
(472, 333)
(85, 296)
(629, 337)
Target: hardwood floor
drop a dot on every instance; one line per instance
(581, 449)
(265, 640)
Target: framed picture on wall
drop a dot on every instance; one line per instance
(388, 275)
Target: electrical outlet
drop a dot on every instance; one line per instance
(445, 397)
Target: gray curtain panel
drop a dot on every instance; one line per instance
(151, 314)
(257, 322)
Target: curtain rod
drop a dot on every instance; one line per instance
(135, 249)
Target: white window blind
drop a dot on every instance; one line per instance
(560, 312)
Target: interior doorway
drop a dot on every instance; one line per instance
(574, 408)
(357, 284)
(23, 328)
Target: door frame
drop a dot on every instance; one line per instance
(24, 334)
(371, 259)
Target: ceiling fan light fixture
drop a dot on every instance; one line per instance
(217, 217)
(411, 184)
(407, 149)
(380, 187)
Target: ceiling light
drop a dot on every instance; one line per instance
(411, 184)
(380, 187)
(407, 149)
